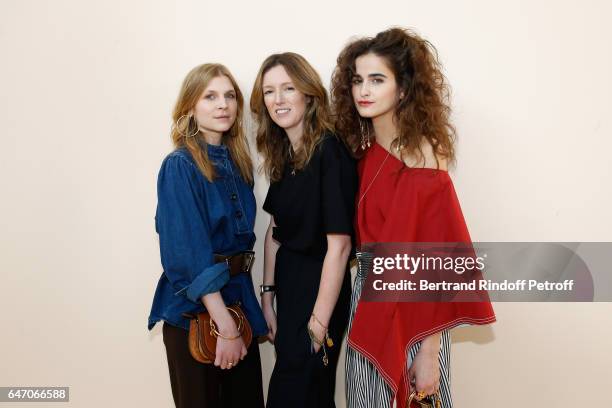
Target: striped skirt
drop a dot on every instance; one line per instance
(365, 387)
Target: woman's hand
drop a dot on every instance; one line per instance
(269, 315)
(425, 369)
(229, 352)
(318, 331)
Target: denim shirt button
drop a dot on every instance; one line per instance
(234, 196)
(238, 214)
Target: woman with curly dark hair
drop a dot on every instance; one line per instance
(309, 239)
(391, 105)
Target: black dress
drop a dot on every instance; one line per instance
(307, 205)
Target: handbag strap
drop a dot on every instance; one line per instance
(213, 327)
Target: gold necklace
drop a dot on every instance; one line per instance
(291, 160)
(373, 178)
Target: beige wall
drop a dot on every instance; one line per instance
(86, 94)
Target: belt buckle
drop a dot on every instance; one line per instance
(249, 256)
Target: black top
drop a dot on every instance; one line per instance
(317, 200)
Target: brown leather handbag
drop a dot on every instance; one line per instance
(202, 329)
(203, 333)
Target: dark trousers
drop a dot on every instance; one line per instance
(300, 379)
(197, 385)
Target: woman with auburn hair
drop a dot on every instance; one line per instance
(205, 217)
(309, 238)
(391, 106)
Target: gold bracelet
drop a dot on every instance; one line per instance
(214, 331)
(318, 321)
(225, 337)
(326, 339)
(313, 337)
(320, 343)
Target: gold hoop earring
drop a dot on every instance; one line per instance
(197, 130)
(365, 134)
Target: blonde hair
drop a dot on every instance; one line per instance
(272, 141)
(193, 86)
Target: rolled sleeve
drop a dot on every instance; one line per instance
(183, 225)
(209, 281)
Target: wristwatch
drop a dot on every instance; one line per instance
(266, 288)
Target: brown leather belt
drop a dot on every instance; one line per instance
(237, 263)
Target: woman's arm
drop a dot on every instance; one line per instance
(184, 233)
(267, 299)
(334, 267)
(338, 189)
(425, 369)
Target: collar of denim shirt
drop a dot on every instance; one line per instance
(219, 151)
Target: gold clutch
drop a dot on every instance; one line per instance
(430, 401)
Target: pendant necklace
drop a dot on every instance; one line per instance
(291, 159)
(373, 179)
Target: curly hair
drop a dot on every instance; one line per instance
(271, 140)
(422, 115)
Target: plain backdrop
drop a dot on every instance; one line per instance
(86, 92)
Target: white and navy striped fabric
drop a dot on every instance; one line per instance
(365, 387)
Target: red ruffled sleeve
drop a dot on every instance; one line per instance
(424, 208)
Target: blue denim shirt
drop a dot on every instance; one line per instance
(196, 219)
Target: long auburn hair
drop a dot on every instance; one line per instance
(272, 141)
(423, 114)
(185, 125)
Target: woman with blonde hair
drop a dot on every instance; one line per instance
(390, 101)
(205, 217)
(309, 238)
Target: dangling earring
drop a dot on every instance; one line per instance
(365, 134)
(177, 125)
(399, 146)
